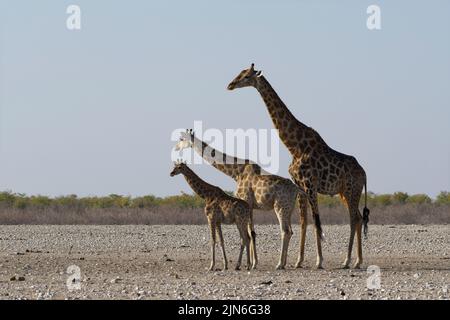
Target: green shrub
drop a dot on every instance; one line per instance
(145, 202)
(40, 201)
(21, 201)
(400, 197)
(7, 198)
(183, 201)
(443, 198)
(67, 201)
(382, 200)
(419, 199)
(328, 201)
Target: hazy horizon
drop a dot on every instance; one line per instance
(91, 112)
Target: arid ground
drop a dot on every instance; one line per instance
(170, 262)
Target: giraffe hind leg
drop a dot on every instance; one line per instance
(222, 245)
(352, 202)
(242, 247)
(284, 217)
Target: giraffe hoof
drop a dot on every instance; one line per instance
(237, 268)
(279, 267)
(356, 266)
(298, 265)
(345, 266)
(319, 267)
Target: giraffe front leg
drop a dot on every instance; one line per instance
(222, 245)
(213, 245)
(312, 197)
(303, 207)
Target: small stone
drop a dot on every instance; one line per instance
(116, 280)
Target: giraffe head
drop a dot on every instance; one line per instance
(246, 78)
(180, 167)
(186, 140)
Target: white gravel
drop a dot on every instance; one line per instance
(170, 262)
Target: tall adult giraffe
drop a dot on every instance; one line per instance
(315, 166)
(259, 190)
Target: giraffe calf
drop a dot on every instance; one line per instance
(223, 208)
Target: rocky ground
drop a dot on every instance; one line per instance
(170, 262)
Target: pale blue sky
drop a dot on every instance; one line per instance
(91, 112)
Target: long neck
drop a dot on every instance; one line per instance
(294, 134)
(200, 187)
(231, 166)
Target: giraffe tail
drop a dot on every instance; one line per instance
(366, 212)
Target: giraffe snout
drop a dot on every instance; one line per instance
(231, 86)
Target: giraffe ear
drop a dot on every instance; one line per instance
(259, 73)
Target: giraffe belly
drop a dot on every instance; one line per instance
(265, 204)
(330, 190)
(227, 218)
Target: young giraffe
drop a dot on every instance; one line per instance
(222, 208)
(315, 166)
(260, 191)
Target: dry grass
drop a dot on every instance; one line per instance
(391, 214)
